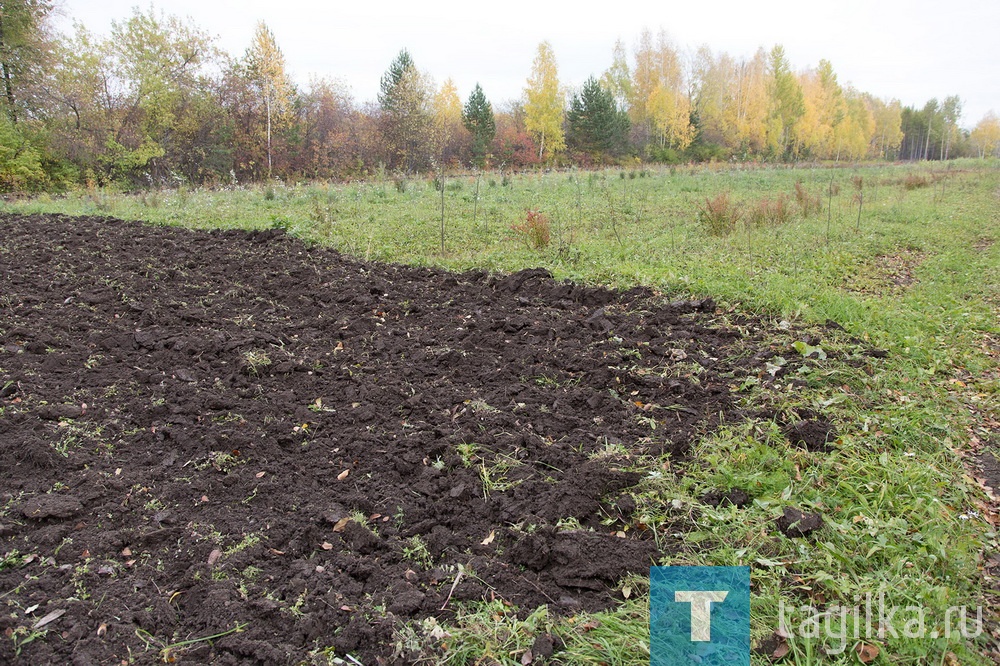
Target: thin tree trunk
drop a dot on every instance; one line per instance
(927, 145)
(475, 204)
(267, 103)
(441, 182)
(8, 85)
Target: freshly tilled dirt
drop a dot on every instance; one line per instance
(205, 430)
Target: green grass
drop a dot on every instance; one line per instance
(918, 276)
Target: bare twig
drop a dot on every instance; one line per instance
(458, 579)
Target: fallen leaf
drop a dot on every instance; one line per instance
(101, 630)
(590, 625)
(781, 651)
(343, 475)
(341, 524)
(30, 609)
(626, 591)
(527, 657)
(51, 617)
(275, 551)
(213, 557)
(488, 540)
(126, 552)
(866, 652)
(327, 545)
(346, 608)
(259, 475)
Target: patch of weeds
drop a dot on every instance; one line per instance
(256, 360)
(74, 435)
(535, 231)
(22, 636)
(570, 524)
(481, 407)
(770, 212)
(611, 451)
(494, 477)
(11, 560)
(719, 215)
(220, 461)
(248, 541)
(810, 204)
(295, 610)
(416, 550)
(915, 181)
(467, 452)
(547, 382)
(170, 652)
(80, 571)
(228, 417)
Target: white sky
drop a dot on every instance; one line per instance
(911, 50)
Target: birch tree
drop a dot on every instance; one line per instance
(265, 66)
(545, 103)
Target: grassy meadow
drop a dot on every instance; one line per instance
(916, 272)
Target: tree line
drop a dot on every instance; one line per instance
(156, 102)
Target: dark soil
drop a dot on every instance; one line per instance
(988, 463)
(794, 523)
(811, 432)
(201, 431)
(733, 497)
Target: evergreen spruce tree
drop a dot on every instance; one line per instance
(596, 124)
(406, 119)
(479, 120)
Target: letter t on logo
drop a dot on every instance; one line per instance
(701, 610)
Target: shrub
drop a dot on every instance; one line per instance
(770, 212)
(914, 181)
(535, 231)
(773, 211)
(21, 164)
(719, 215)
(807, 202)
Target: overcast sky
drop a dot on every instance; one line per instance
(911, 50)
